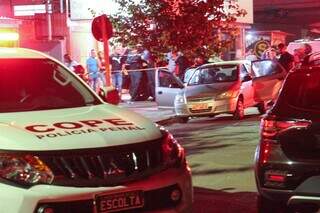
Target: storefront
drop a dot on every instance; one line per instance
(237, 48)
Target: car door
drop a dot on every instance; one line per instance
(167, 87)
(246, 88)
(267, 80)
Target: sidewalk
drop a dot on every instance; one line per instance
(149, 109)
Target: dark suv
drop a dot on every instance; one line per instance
(287, 160)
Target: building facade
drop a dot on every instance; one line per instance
(297, 17)
(57, 27)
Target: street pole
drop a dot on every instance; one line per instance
(48, 2)
(105, 40)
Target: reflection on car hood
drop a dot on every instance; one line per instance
(210, 90)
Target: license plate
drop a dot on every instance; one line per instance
(200, 106)
(119, 202)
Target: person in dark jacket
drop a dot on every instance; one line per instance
(286, 59)
(182, 64)
(134, 63)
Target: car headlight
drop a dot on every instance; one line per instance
(180, 99)
(24, 169)
(228, 94)
(173, 152)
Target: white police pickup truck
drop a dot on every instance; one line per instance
(64, 150)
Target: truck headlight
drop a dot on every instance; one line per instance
(173, 152)
(180, 99)
(24, 169)
(226, 95)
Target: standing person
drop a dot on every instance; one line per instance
(69, 62)
(134, 62)
(116, 62)
(298, 55)
(271, 54)
(182, 64)
(251, 56)
(198, 61)
(93, 69)
(286, 59)
(150, 65)
(102, 68)
(171, 59)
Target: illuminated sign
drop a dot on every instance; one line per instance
(29, 10)
(9, 36)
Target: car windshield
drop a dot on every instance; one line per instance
(40, 84)
(215, 74)
(188, 74)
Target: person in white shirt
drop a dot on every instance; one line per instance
(69, 62)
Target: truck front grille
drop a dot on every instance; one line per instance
(105, 167)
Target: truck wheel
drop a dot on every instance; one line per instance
(239, 113)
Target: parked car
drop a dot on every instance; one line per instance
(64, 150)
(287, 159)
(222, 87)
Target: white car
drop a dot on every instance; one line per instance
(221, 87)
(64, 150)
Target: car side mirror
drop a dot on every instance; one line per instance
(247, 78)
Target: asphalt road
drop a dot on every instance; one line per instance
(220, 152)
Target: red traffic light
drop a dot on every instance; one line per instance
(101, 28)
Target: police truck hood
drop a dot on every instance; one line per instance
(74, 128)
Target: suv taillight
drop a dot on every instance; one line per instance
(271, 127)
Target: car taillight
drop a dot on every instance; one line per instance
(271, 128)
(172, 151)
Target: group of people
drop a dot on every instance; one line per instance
(123, 64)
(178, 63)
(280, 53)
(128, 64)
(95, 68)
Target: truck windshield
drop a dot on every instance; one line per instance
(40, 84)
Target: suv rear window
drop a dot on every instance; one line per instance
(300, 94)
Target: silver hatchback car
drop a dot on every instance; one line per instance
(225, 87)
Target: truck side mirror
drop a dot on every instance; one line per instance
(110, 95)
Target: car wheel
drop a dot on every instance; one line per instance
(184, 120)
(239, 113)
(262, 107)
(265, 205)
